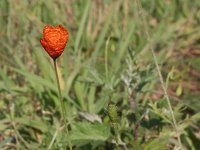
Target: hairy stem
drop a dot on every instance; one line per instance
(61, 102)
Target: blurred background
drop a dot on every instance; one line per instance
(107, 60)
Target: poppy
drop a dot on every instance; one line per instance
(54, 40)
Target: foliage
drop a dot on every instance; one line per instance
(107, 61)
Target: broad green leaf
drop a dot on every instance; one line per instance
(88, 132)
(37, 124)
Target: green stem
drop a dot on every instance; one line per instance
(61, 102)
(159, 72)
(106, 58)
(12, 118)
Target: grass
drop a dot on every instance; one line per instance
(107, 61)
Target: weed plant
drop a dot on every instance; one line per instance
(107, 71)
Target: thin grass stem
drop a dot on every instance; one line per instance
(159, 72)
(12, 118)
(106, 58)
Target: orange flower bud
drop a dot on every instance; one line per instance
(54, 40)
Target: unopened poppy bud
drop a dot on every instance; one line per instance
(112, 113)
